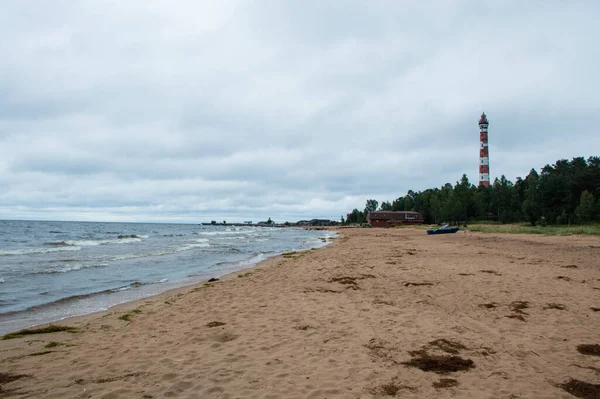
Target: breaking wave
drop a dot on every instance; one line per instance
(70, 268)
(38, 250)
(86, 243)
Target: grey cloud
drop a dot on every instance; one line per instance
(241, 110)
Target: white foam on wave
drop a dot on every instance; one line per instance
(192, 246)
(86, 243)
(1, 280)
(70, 268)
(38, 250)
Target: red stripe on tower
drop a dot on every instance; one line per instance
(484, 156)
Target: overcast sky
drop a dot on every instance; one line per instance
(188, 111)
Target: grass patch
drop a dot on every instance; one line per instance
(43, 330)
(544, 230)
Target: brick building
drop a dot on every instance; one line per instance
(394, 218)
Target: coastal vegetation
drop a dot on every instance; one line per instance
(563, 194)
(43, 330)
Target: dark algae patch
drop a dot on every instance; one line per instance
(581, 389)
(43, 330)
(518, 306)
(440, 364)
(589, 349)
(5, 378)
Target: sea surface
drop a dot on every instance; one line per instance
(53, 270)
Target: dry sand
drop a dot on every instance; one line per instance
(341, 322)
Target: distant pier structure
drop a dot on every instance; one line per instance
(484, 155)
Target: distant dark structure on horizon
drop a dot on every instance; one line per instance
(484, 155)
(394, 218)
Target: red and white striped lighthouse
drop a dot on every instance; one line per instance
(484, 156)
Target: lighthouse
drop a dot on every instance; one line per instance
(484, 156)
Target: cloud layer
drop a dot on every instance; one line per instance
(237, 110)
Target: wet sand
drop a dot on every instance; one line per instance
(379, 312)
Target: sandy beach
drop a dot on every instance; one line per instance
(379, 312)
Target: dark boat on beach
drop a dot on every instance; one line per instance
(445, 229)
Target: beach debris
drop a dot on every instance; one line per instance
(490, 305)
(127, 316)
(42, 330)
(557, 306)
(379, 301)
(466, 274)
(518, 306)
(321, 290)
(581, 389)
(407, 284)
(304, 327)
(40, 353)
(491, 272)
(350, 281)
(215, 324)
(212, 279)
(570, 267)
(565, 278)
(595, 309)
(589, 349)
(445, 383)
(247, 274)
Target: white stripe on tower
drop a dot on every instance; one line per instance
(484, 157)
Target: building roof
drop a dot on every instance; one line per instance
(391, 215)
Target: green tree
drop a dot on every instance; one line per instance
(587, 205)
(532, 206)
(371, 205)
(385, 206)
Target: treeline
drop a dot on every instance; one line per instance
(564, 193)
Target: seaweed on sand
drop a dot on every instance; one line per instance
(42, 330)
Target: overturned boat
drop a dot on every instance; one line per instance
(445, 229)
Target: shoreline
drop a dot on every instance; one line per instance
(171, 291)
(502, 315)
